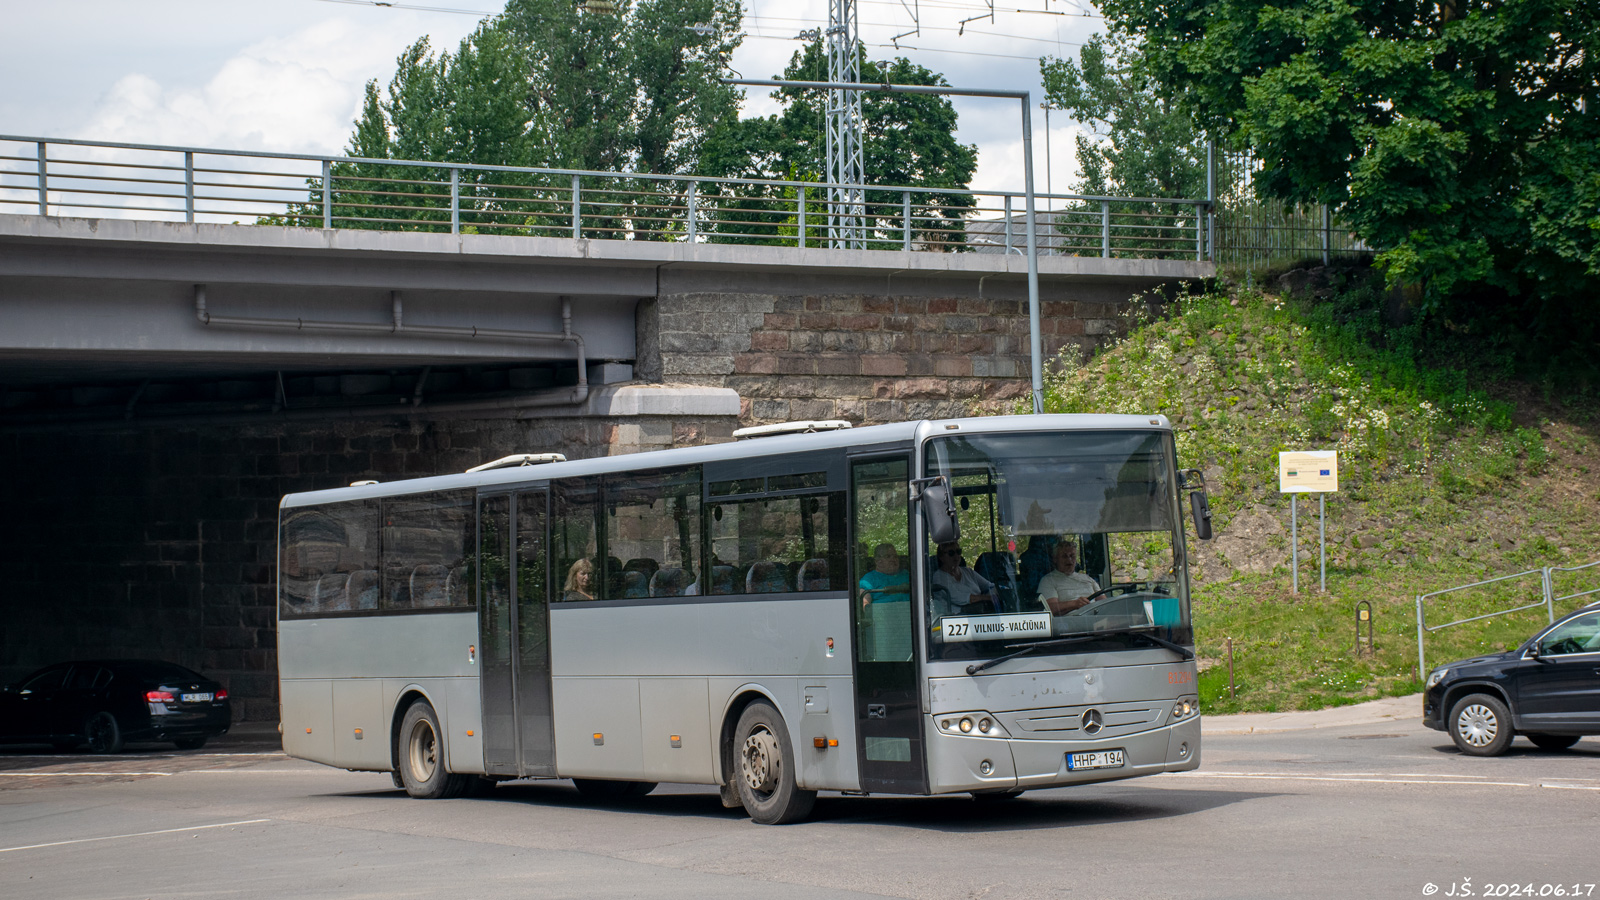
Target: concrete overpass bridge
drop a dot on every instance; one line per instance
(166, 375)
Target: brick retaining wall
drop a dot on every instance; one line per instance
(863, 358)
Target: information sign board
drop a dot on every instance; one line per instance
(1308, 471)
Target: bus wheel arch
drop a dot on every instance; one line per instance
(420, 754)
(727, 754)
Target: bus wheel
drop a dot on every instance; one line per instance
(603, 790)
(764, 758)
(422, 768)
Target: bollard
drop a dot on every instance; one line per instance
(1230, 669)
(1364, 616)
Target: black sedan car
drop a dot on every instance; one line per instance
(107, 702)
(1547, 690)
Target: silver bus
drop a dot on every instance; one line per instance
(984, 606)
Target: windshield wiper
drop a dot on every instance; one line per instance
(1080, 639)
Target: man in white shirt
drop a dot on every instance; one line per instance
(1066, 589)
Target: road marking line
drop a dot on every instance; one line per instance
(1570, 787)
(1345, 779)
(75, 774)
(114, 837)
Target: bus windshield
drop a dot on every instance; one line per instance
(1062, 534)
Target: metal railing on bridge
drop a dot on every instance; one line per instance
(190, 184)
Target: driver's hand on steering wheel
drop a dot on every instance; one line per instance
(1059, 607)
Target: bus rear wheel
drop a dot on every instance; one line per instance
(422, 757)
(764, 768)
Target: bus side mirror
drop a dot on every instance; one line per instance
(1199, 505)
(940, 513)
(1200, 509)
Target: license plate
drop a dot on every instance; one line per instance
(206, 698)
(1095, 759)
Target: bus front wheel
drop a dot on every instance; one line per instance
(764, 768)
(422, 768)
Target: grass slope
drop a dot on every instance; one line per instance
(1448, 475)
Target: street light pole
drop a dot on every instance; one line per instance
(1036, 348)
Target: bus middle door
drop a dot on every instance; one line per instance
(514, 622)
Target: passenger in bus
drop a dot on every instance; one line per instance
(580, 582)
(1065, 589)
(957, 590)
(886, 582)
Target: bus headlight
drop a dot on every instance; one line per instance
(971, 724)
(1184, 708)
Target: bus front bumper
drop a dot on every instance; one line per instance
(957, 764)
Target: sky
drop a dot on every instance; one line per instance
(287, 75)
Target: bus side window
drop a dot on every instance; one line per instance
(574, 542)
(653, 520)
(773, 545)
(427, 542)
(326, 552)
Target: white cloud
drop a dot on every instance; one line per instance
(294, 93)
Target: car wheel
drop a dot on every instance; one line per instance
(602, 790)
(190, 743)
(103, 734)
(1480, 725)
(422, 756)
(1552, 742)
(765, 768)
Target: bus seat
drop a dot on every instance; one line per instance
(813, 575)
(430, 585)
(634, 584)
(396, 587)
(330, 592)
(456, 586)
(362, 589)
(995, 567)
(722, 579)
(643, 565)
(766, 578)
(669, 582)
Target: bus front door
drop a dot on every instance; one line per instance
(888, 706)
(514, 672)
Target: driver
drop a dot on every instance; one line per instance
(1065, 588)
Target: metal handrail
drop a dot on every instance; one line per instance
(1547, 600)
(626, 205)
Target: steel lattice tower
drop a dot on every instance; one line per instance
(846, 205)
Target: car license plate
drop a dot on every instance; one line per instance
(206, 698)
(1095, 759)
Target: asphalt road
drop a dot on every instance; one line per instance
(1366, 809)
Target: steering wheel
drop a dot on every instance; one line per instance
(1102, 595)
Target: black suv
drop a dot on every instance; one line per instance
(107, 702)
(1547, 690)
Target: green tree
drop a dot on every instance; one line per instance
(907, 140)
(1457, 137)
(1141, 143)
(546, 84)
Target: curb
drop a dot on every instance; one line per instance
(1384, 711)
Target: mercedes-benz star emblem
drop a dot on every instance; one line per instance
(1092, 721)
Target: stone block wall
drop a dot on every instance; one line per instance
(864, 358)
(162, 542)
